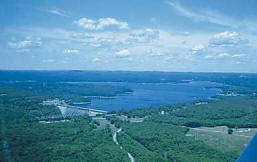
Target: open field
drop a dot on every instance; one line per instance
(218, 137)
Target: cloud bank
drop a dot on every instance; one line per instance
(100, 24)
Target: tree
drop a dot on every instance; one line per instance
(230, 131)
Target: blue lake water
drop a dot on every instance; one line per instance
(149, 88)
(155, 94)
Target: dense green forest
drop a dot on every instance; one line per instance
(170, 142)
(75, 140)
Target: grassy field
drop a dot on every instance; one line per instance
(218, 137)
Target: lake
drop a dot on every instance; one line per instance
(154, 94)
(150, 89)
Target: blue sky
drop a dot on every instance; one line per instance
(145, 35)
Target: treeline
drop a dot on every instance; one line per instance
(231, 111)
(71, 92)
(237, 79)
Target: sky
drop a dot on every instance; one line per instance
(131, 35)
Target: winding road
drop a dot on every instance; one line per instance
(132, 159)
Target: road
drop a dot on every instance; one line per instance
(115, 136)
(132, 159)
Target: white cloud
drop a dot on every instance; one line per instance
(224, 45)
(123, 53)
(96, 59)
(100, 24)
(21, 44)
(110, 39)
(25, 44)
(57, 11)
(198, 47)
(201, 15)
(223, 55)
(227, 38)
(212, 16)
(118, 47)
(105, 22)
(54, 10)
(185, 33)
(145, 35)
(217, 56)
(70, 51)
(238, 55)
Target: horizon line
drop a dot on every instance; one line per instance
(68, 70)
